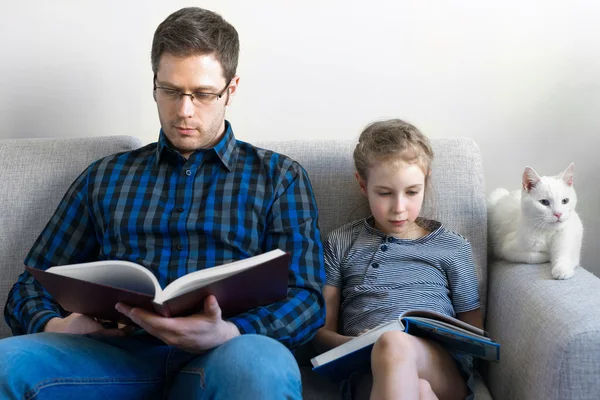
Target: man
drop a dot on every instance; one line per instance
(195, 199)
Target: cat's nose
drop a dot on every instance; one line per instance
(557, 215)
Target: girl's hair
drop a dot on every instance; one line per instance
(389, 141)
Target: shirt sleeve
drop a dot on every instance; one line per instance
(333, 270)
(67, 238)
(462, 277)
(292, 227)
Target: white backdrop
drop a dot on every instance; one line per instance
(521, 77)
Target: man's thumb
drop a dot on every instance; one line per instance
(211, 307)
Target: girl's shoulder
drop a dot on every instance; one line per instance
(346, 233)
(440, 232)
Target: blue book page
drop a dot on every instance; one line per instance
(479, 347)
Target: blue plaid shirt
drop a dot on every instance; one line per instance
(175, 216)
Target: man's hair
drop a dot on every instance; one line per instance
(391, 141)
(195, 31)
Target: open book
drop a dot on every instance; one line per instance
(453, 334)
(94, 288)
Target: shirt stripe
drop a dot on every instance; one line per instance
(381, 276)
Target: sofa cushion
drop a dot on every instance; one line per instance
(35, 175)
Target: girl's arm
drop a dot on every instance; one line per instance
(327, 337)
(472, 317)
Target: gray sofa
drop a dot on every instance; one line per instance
(549, 330)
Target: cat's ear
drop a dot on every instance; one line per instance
(530, 178)
(567, 176)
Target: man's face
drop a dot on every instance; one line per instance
(192, 124)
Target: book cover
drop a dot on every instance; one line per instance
(355, 355)
(236, 293)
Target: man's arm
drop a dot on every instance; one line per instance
(67, 238)
(292, 227)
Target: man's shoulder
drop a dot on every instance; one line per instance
(123, 160)
(268, 159)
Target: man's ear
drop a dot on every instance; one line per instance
(361, 183)
(232, 89)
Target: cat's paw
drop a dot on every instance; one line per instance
(563, 270)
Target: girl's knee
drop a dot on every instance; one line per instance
(394, 346)
(425, 390)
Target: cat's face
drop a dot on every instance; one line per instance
(548, 199)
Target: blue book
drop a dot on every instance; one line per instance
(451, 333)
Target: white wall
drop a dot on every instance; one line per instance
(520, 77)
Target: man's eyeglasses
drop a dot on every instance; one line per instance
(197, 98)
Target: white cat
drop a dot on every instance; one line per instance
(538, 224)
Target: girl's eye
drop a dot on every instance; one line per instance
(384, 193)
(565, 201)
(412, 193)
(545, 202)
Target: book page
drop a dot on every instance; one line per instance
(204, 277)
(447, 326)
(115, 273)
(435, 316)
(359, 342)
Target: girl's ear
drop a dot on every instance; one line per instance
(361, 183)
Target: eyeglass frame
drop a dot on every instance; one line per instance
(191, 95)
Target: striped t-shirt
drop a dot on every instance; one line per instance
(382, 276)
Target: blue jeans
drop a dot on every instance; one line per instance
(60, 366)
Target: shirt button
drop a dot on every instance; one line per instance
(391, 239)
(383, 247)
(179, 247)
(375, 265)
(179, 209)
(188, 172)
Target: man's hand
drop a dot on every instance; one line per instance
(195, 333)
(79, 324)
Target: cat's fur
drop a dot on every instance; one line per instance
(534, 225)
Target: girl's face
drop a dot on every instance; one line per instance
(395, 194)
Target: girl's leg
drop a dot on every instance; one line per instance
(425, 391)
(399, 361)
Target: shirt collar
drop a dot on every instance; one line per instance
(225, 149)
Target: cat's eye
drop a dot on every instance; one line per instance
(565, 201)
(545, 202)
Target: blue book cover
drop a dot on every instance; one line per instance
(451, 333)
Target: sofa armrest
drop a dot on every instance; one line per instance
(549, 331)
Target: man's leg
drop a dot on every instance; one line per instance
(62, 366)
(247, 367)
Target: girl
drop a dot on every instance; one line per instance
(393, 261)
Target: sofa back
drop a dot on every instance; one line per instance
(35, 174)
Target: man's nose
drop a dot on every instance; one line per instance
(185, 106)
